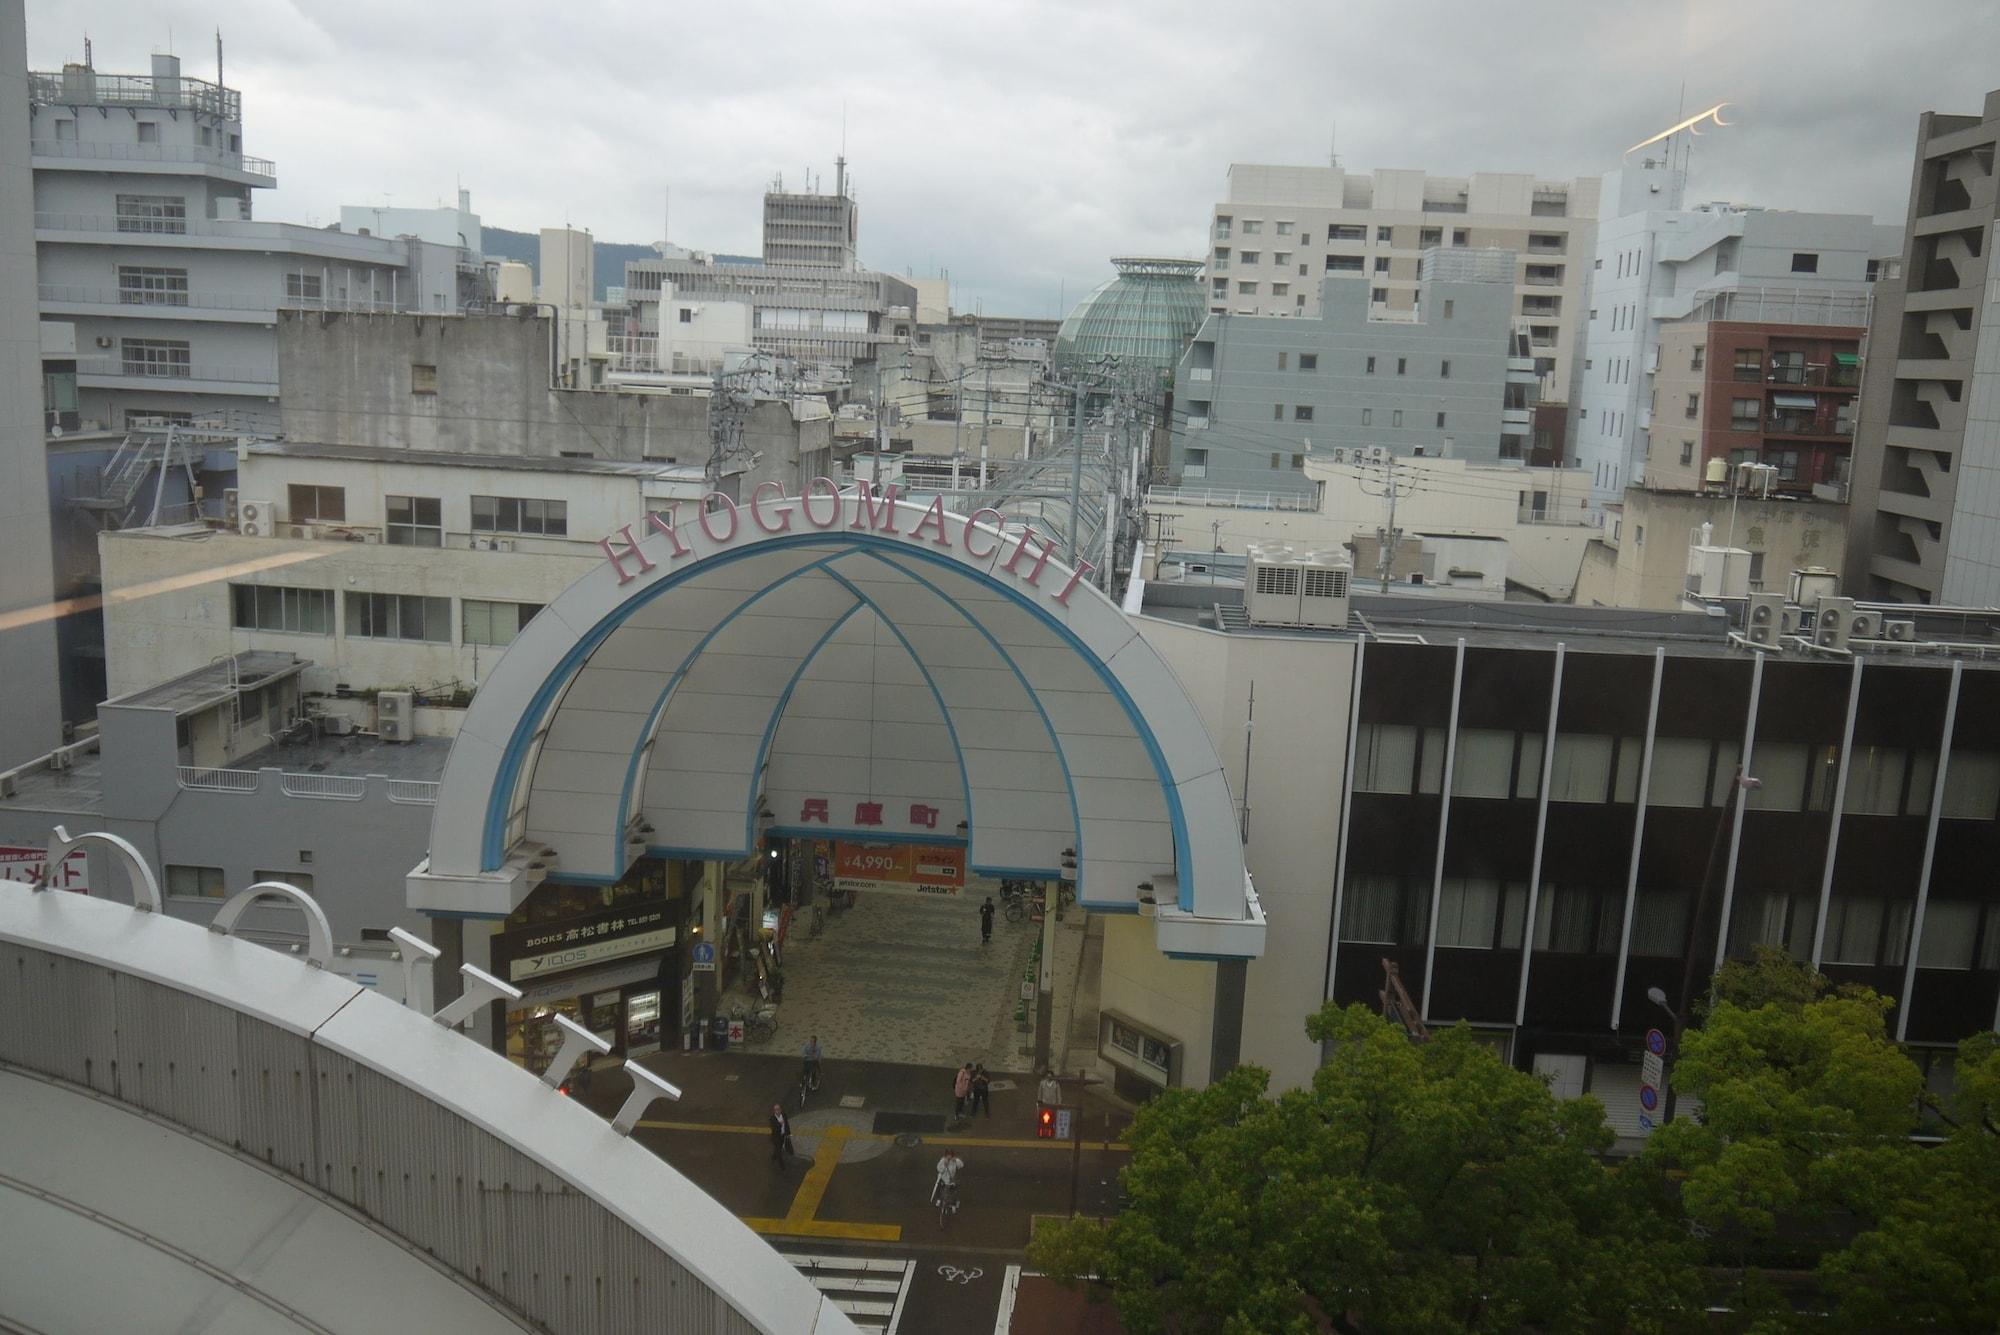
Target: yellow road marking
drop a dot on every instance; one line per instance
(826, 1228)
(813, 1190)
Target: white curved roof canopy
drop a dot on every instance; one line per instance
(864, 669)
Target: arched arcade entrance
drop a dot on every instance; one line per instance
(841, 666)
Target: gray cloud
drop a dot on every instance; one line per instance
(1020, 146)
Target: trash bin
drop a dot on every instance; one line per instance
(718, 1032)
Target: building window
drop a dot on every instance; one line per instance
(1695, 358)
(1252, 226)
(304, 287)
(1693, 406)
(1396, 417)
(1347, 232)
(1402, 365)
(1249, 256)
(1430, 236)
(306, 504)
(1444, 369)
(509, 514)
(1274, 460)
(1805, 261)
(1687, 453)
(301, 879)
(495, 623)
(1246, 289)
(152, 213)
(1371, 366)
(687, 315)
(1440, 422)
(159, 357)
(186, 882)
(423, 378)
(1378, 294)
(149, 132)
(1282, 258)
(399, 616)
(1283, 359)
(1219, 287)
(1381, 264)
(1283, 228)
(1343, 264)
(139, 285)
(1743, 414)
(1367, 417)
(1281, 289)
(1385, 235)
(1196, 457)
(1302, 412)
(1277, 412)
(1461, 236)
(1447, 309)
(1309, 361)
(414, 521)
(1862, 929)
(283, 608)
(1221, 258)
(1749, 363)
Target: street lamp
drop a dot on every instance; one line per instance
(1730, 818)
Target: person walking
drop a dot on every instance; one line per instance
(813, 1054)
(982, 1094)
(781, 1135)
(961, 1090)
(986, 922)
(1049, 1091)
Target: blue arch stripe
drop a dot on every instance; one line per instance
(1055, 742)
(673, 683)
(778, 713)
(493, 845)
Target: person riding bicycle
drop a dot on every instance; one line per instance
(813, 1056)
(948, 1169)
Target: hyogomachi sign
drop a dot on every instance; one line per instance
(869, 508)
(908, 868)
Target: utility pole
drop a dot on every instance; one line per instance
(985, 423)
(1387, 536)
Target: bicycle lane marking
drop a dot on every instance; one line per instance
(957, 1292)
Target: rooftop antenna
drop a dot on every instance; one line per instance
(86, 52)
(1332, 145)
(218, 57)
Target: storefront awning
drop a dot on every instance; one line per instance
(1846, 359)
(1794, 401)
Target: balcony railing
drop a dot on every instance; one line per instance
(88, 88)
(1234, 499)
(1800, 424)
(312, 787)
(89, 151)
(77, 294)
(213, 372)
(218, 780)
(331, 787)
(416, 791)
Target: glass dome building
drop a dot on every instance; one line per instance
(1144, 317)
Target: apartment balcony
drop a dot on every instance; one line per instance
(219, 234)
(192, 377)
(1808, 377)
(1808, 425)
(1541, 280)
(1201, 374)
(171, 159)
(77, 299)
(1554, 247)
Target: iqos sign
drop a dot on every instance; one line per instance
(824, 506)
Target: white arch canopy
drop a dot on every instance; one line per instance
(852, 666)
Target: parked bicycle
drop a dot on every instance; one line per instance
(759, 1025)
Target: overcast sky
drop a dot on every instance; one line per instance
(1019, 145)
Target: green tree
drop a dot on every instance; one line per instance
(1411, 1187)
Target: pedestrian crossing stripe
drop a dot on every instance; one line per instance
(870, 1290)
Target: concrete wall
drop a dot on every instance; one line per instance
(1297, 759)
(31, 712)
(348, 381)
(1641, 560)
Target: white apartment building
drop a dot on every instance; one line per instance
(1658, 261)
(146, 242)
(1282, 229)
(387, 568)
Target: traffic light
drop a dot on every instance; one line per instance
(1045, 1124)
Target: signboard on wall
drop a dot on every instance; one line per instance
(569, 943)
(910, 869)
(23, 863)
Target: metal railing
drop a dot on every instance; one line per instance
(421, 792)
(201, 372)
(84, 87)
(1222, 498)
(331, 787)
(203, 154)
(78, 294)
(217, 780)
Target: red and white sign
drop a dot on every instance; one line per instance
(910, 869)
(25, 864)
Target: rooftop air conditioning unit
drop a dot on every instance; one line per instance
(1763, 619)
(230, 516)
(1865, 625)
(254, 518)
(1902, 632)
(396, 716)
(1793, 618)
(306, 532)
(1323, 594)
(1833, 622)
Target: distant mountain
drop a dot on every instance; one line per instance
(608, 257)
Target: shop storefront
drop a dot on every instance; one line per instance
(608, 957)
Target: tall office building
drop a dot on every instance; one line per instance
(30, 711)
(809, 229)
(1658, 261)
(1282, 229)
(1927, 460)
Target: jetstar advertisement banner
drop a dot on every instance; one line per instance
(909, 869)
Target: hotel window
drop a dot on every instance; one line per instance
(156, 358)
(511, 514)
(1484, 763)
(1252, 226)
(1385, 235)
(1249, 256)
(1475, 913)
(1381, 264)
(399, 616)
(1951, 927)
(1283, 228)
(139, 285)
(414, 521)
(186, 882)
(1659, 922)
(151, 213)
(281, 608)
(305, 504)
(495, 623)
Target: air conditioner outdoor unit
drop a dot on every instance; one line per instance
(1764, 619)
(1832, 624)
(396, 715)
(1792, 618)
(302, 531)
(254, 518)
(230, 515)
(1902, 632)
(1865, 625)
(1323, 594)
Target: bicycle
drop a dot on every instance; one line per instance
(947, 1198)
(760, 1025)
(808, 1082)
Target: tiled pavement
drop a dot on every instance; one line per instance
(904, 978)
